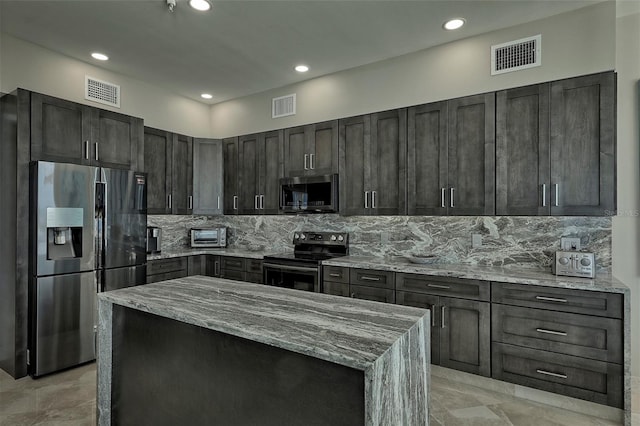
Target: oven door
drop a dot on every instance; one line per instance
(290, 276)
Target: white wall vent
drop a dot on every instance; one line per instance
(283, 106)
(101, 91)
(516, 55)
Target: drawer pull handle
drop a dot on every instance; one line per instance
(432, 308)
(557, 333)
(549, 373)
(446, 287)
(442, 316)
(335, 275)
(551, 299)
(365, 278)
(353, 295)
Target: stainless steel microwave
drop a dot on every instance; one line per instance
(208, 237)
(309, 194)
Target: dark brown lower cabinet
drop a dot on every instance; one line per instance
(376, 294)
(337, 289)
(167, 269)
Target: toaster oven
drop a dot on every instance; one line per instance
(208, 237)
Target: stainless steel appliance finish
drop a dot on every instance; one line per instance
(208, 237)
(575, 264)
(309, 194)
(301, 269)
(88, 235)
(154, 239)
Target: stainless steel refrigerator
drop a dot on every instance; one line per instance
(88, 234)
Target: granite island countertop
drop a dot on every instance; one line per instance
(602, 282)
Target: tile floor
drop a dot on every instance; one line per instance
(68, 398)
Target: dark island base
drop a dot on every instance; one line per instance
(175, 373)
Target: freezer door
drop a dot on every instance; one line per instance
(64, 323)
(114, 279)
(125, 219)
(63, 229)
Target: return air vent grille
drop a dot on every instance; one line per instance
(516, 55)
(102, 92)
(283, 106)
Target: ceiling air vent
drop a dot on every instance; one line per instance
(101, 92)
(283, 106)
(516, 55)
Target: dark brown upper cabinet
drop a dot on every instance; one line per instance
(556, 148)
(311, 149)
(373, 153)
(68, 132)
(230, 154)
(451, 157)
(208, 180)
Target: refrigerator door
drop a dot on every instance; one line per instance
(124, 226)
(63, 224)
(114, 279)
(64, 323)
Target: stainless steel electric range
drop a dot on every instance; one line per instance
(301, 270)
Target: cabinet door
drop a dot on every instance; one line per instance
(323, 148)
(207, 177)
(182, 175)
(157, 165)
(249, 176)
(231, 198)
(387, 162)
(465, 335)
(425, 301)
(60, 130)
(296, 154)
(522, 151)
(355, 140)
(271, 172)
(427, 159)
(471, 147)
(116, 140)
(583, 120)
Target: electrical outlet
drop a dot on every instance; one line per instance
(569, 243)
(476, 240)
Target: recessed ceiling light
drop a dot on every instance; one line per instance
(202, 5)
(206, 96)
(301, 68)
(99, 56)
(453, 24)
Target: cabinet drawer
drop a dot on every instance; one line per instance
(233, 263)
(337, 289)
(443, 286)
(336, 274)
(231, 274)
(596, 381)
(162, 266)
(166, 276)
(253, 278)
(558, 299)
(372, 293)
(561, 332)
(369, 278)
(254, 266)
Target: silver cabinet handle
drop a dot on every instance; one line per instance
(556, 333)
(262, 202)
(312, 163)
(432, 308)
(97, 157)
(256, 202)
(443, 192)
(549, 373)
(365, 278)
(235, 202)
(336, 275)
(218, 202)
(306, 161)
(366, 199)
(373, 199)
(557, 200)
(446, 287)
(216, 268)
(452, 203)
(353, 295)
(190, 202)
(544, 195)
(551, 299)
(86, 150)
(443, 311)
(170, 206)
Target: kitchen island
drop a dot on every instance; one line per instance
(203, 350)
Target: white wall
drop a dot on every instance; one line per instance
(28, 66)
(576, 43)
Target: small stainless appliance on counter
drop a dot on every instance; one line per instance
(301, 270)
(154, 239)
(208, 237)
(574, 264)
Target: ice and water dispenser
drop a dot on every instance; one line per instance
(64, 232)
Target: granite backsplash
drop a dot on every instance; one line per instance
(510, 241)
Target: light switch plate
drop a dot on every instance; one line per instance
(569, 243)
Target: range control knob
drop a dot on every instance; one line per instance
(333, 238)
(303, 237)
(296, 236)
(585, 261)
(340, 238)
(563, 260)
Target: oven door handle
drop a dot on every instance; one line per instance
(289, 267)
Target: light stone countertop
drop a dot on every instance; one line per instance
(354, 333)
(602, 282)
(167, 254)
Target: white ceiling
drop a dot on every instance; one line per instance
(242, 47)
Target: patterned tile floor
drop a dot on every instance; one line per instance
(68, 398)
